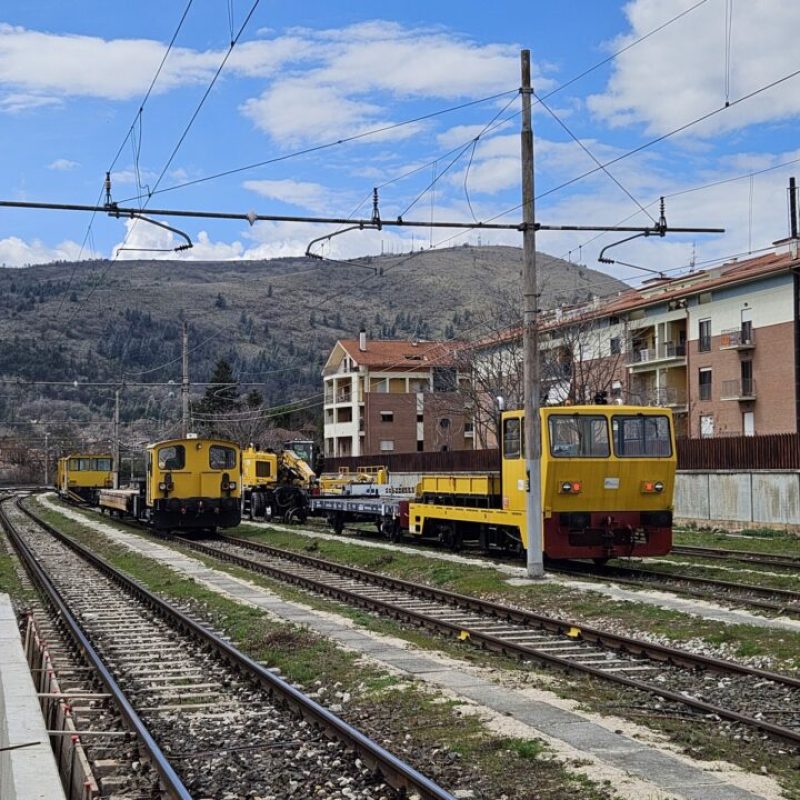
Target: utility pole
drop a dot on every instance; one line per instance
(530, 296)
(185, 383)
(115, 454)
(46, 459)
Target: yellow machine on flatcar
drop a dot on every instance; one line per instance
(276, 485)
(191, 484)
(608, 475)
(81, 476)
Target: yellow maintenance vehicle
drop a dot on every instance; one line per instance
(276, 486)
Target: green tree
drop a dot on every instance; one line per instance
(222, 394)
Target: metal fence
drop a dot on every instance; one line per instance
(776, 451)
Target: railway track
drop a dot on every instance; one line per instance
(780, 601)
(208, 721)
(712, 687)
(745, 556)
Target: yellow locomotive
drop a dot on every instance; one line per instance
(608, 476)
(81, 476)
(191, 484)
(607, 481)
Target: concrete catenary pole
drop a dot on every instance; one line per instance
(530, 295)
(185, 383)
(115, 454)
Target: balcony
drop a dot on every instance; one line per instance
(737, 339)
(665, 396)
(743, 389)
(668, 351)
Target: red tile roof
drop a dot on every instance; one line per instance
(659, 291)
(401, 355)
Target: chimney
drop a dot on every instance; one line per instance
(362, 340)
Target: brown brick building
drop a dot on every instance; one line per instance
(388, 396)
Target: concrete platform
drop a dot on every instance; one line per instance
(26, 773)
(636, 769)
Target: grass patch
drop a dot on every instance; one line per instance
(10, 581)
(768, 541)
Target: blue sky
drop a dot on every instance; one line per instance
(304, 76)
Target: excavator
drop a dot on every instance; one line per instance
(276, 486)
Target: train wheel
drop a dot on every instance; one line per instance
(337, 523)
(258, 505)
(450, 537)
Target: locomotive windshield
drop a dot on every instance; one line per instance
(221, 457)
(103, 464)
(173, 457)
(578, 436)
(639, 435)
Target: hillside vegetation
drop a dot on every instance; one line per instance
(273, 321)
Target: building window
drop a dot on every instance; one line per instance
(704, 336)
(387, 444)
(705, 384)
(419, 417)
(387, 416)
(420, 446)
(615, 346)
(747, 378)
(444, 423)
(706, 426)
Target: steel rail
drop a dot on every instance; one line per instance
(625, 643)
(655, 652)
(395, 772)
(169, 778)
(632, 576)
(746, 556)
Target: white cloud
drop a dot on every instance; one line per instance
(63, 165)
(346, 69)
(679, 74)
(19, 102)
(15, 252)
(298, 193)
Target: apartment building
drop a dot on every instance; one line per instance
(720, 347)
(383, 396)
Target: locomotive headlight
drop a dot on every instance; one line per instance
(162, 487)
(658, 486)
(652, 487)
(570, 487)
(232, 485)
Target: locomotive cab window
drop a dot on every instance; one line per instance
(221, 457)
(637, 436)
(512, 438)
(578, 436)
(173, 457)
(103, 464)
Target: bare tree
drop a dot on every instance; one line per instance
(581, 356)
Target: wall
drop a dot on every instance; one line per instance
(739, 499)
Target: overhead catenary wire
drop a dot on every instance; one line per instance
(177, 146)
